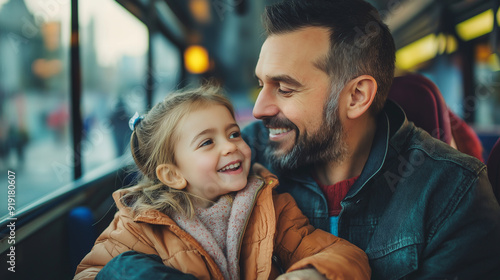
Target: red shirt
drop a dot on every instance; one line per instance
(335, 193)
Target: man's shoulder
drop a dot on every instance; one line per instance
(256, 136)
(422, 165)
(253, 129)
(421, 149)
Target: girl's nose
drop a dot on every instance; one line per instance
(228, 148)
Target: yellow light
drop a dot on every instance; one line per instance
(451, 44)
(196, 59)
(493, 62)
(476, 26)
(498, 17)
(441, 43)
(417, 52)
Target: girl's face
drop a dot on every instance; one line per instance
(210, 154)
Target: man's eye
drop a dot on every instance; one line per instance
(206, 143)
(235, 134)
(284, 91)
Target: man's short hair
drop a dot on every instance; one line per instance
(360, 43)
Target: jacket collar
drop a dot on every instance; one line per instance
(390, 120)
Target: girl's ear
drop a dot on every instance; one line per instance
(171, 176)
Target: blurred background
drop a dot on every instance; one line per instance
(73, 72)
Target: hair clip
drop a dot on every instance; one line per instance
(134, 121)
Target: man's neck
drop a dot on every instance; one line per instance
(359, 145)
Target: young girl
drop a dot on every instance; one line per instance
(198, 209)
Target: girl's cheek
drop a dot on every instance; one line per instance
(248, 152)
(206, 163)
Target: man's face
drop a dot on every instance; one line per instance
(293, 97)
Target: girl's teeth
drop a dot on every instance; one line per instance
(232, 166)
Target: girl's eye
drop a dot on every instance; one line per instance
(206, 143)
(235, 134)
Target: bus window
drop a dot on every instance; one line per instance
(114, 47)
(35, 140)
(487, 86)
(166, 67)
(445, 72)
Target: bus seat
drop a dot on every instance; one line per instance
(424, 105)
(465, 137)
(494, 169)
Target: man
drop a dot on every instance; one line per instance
(351, 160)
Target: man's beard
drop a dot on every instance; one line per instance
(326, 145)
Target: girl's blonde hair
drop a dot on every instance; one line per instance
(153, 142)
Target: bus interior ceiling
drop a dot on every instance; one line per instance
(230, 31)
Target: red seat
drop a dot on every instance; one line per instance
(424, 105)
(465, 137)
(494, 169)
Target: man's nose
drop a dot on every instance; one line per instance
(265, 105)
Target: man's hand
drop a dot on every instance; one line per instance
(303, 274)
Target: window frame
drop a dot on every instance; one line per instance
(56, 203)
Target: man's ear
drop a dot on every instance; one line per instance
(171, 176)
(361, 95)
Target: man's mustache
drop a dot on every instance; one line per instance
(279, 122)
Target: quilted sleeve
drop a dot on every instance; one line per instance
(122, 235)
(299, 245)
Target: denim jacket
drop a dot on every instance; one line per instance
(420, 209)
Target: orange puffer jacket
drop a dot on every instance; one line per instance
(276, 227)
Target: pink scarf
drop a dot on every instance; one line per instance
(219, 228)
